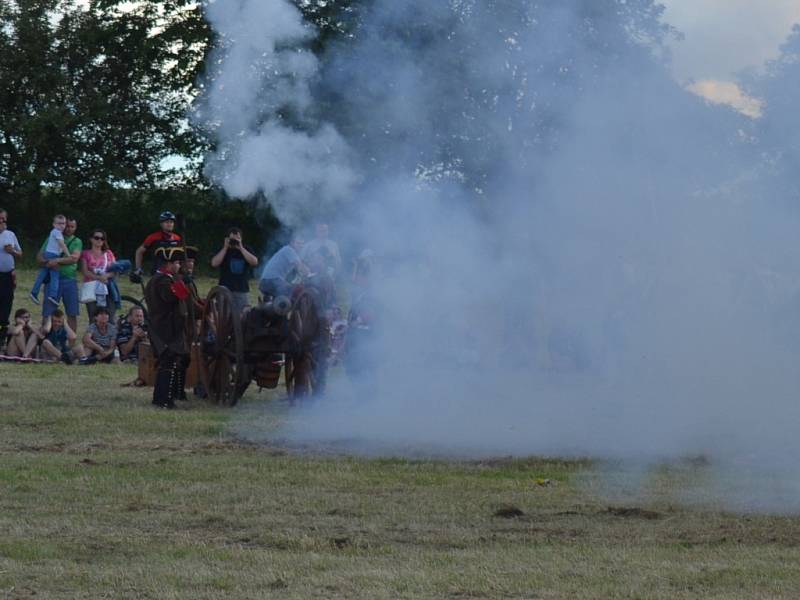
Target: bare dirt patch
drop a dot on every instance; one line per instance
(633, 513)
(509, 512)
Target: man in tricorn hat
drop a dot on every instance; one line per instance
(165, 295)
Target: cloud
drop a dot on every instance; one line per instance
(727, 92)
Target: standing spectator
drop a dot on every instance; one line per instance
(10, 250)
(166, 238)
(54, 248)
(321, 281)
(187, 274)
(68, 275)
(187, 267)
(325, 247)
(59, 339)
(276, 273)
(165, 294)
(23, 338)
(95, 263)
(131, 331)
(235, 262)
(100, 339)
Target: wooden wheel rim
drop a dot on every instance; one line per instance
(222, 367)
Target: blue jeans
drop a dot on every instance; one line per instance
(121, 265)
(68, 292)
(52, 286)
(113, 291)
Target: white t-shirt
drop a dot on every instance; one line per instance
(6, 259)
(52, 241)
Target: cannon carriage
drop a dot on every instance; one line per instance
(279, 335)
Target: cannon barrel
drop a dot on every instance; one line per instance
(277, 307)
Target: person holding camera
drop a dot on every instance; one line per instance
(131, 332)
(235, 262)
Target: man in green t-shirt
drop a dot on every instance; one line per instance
(68, 281)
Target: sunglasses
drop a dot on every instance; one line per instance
(99, 238)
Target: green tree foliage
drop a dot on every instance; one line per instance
(95, 107)
(95, 96)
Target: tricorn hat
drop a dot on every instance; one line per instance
(171, 254)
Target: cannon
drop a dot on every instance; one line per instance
(279, 335)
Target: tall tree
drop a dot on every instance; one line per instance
(95, 96)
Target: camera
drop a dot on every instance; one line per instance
(233, 243)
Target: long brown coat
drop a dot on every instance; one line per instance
(167, 315)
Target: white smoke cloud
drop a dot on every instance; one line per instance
(292, 168)
(581, 271)
(260, 107)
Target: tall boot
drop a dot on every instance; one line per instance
(182, 364)
(163, 391)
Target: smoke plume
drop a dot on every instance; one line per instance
(574, 255)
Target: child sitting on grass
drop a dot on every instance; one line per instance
(55, 248)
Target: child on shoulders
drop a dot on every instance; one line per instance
(56, 248)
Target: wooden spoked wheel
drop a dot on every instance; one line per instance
(303, 328)
(222, 367)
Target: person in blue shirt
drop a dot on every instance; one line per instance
(275, 278)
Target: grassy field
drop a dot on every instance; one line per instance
(102, 496)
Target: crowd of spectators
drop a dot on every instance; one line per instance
(111, 337)
(108, 338)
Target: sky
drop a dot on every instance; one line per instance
(724, 37)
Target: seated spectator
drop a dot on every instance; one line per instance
(97, 266)
(100, 339)
(131, 331)
(22, 337)
(59, 339)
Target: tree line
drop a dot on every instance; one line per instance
(95, 119)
